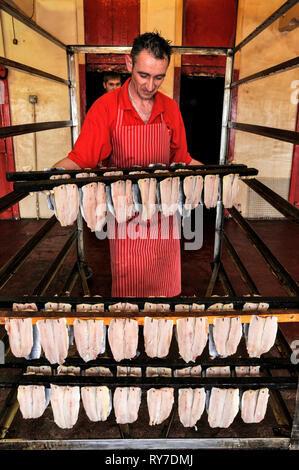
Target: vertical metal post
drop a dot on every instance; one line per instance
(223, 149)
(74, 113)
(294, 444)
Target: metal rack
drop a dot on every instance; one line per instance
(286, 308)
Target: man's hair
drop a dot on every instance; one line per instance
(152, 42)
(110, 76)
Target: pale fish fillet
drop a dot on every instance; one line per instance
(261, 335)
(254, 405)
(198, 187)
(227, 333)
(215, 307)
(54, 339)
(211, 188)
(130, 207)
(123, 338)
(68, 370)
(38, 370)
(197, 307)
(101, 207)
(248, 306)
(20, 335)
(89, 204)
(250, 371)
(231, 407)
(191, 405)
(227, 191)
(73, 203)
(159, 402)
(192, 336)
(97, 402)
(157, 336)
(218, 371)
(182, 308)
(126, 403)
(89, 338)
(32, 400)
(165, 192)
(118, 193)
(65, 402)
(123, 371)
(175, 194)
(188, 187)
(61, 205)
(188, 372)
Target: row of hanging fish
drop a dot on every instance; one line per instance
(222, 405)
(146, 196)
(192, 334)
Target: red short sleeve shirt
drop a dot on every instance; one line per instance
(94, 142)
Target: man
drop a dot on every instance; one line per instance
(111, 81)
(137, 125)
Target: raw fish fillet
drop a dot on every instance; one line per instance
(227, 333)
(218, 371)
(157, 336)
(68, 370)
(90, 336)
(223, 407)
(32, 400)
(54, 339)
(158, 372)
(126, 403)
(261, 335)
(101, 207)
(191, 404)
(89, 205)
(227, 191)
(254, 405)
(97, 402)
(159, 403)
(211, 188)
(118, 193)
(192, 336)
(20, 335)
(123, 371)
(65, 402)
(250, 371)
(188, 372)
(123, 338)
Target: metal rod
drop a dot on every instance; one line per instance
(31, 70)
(227, 285)
(10, 199)
(284, 278)
(271, 132)
(294, 444)
(280, 204)
(41, 185)
(55, 266)
(273, 383)
(110, 49)
(213, 279)
(284, 8)
(276, 303)
(20, 129)
(71, 281)
(11, 267)
(44, 175)
(252, 289)
(282, 67)
(11, 408)
(30, 23)
(81, 267)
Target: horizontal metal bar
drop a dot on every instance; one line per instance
(45, 175)
(280, 443)
(20, 129)
(55, 266)
(277, 14)
(273, 383)
(11, 267)
(282, 67)
(271, 132)
(10, 199)
(284, 278)
(110, 49)
(31, 186)
(32, 71)
(264, 362)
(30, 23)
(285, 303)
(280, 204)
(252, 289)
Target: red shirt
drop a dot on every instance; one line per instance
(94, 142)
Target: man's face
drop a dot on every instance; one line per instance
(147, 73)
(112, 84)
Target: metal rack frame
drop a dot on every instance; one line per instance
(218, 271)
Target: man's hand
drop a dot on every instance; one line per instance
(195, 162)
(67, 164)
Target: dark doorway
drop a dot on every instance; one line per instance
(201, 102)
(94, 86)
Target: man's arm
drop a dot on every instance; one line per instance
(195, 162)
(67, 164)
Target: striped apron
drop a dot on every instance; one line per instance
(142, 266)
